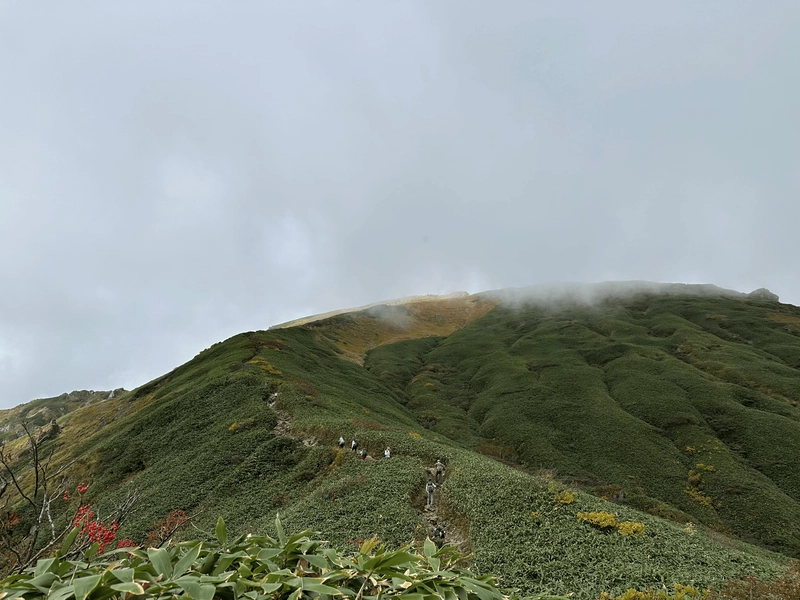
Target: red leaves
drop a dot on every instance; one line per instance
(90, 527)
(9, 520)
(164, 529)
(94, 530)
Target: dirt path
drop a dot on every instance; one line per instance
(454, 536)
(284, 426)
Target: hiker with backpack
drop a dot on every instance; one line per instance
(439, 470)
(341, 442)
(429, 488)
(438, 535)
(354, 445)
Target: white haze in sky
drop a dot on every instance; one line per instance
(173, 173)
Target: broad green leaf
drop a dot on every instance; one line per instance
(401, 581)
(240, 586)
(223, 564)
(434, 562)
(394, 559)
(480, 589)
(429, 548)
(222, 531)
(268, 553)
(208, 562)
(244, 572)
(91, 551)
(44, 566)
(131, 587)
(279, 529)
(161, 561)
(69, 540)
(190, 585)
(186, 560)
(84, 586)
(42, 582)
(368, 545)
(314, 585)
(207, 591)
(124, 575)
(316, 560)
(271, 587)
(59, 594)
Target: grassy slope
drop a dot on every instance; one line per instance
(560, 390)
(38, 413)
(633, 396)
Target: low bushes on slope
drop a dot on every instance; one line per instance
(255, 567)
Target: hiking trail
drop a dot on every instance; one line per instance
(284, 426)
(454, 536)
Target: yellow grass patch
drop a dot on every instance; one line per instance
(792, 321)
(416, 318)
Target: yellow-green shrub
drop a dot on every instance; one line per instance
(631, 528)
(565, 497)
(242, 425)
(681, 592)
(600, 519)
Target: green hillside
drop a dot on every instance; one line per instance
(686, 405)
(41, 412)
(677, 411)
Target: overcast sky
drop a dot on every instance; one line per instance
(174, 173)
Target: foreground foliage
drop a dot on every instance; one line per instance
(291, 567)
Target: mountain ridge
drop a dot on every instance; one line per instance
(648, 407)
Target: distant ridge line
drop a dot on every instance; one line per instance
(587, 293)
(395, 302)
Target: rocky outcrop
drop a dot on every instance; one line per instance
(763, 294)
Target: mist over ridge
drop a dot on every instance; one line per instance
(593, 293)
(552, 294)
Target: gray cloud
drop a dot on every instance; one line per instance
(172, 174)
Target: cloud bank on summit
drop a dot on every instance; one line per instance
(171, 175)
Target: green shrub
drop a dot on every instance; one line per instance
(290, 567)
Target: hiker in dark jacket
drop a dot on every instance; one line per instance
(438, 535)
(439, 470)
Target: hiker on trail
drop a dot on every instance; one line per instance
(387, 453)
(439, 470)
(363, 453)
(341, 442)
(353, 445)
(438, 535)
(429, 487)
